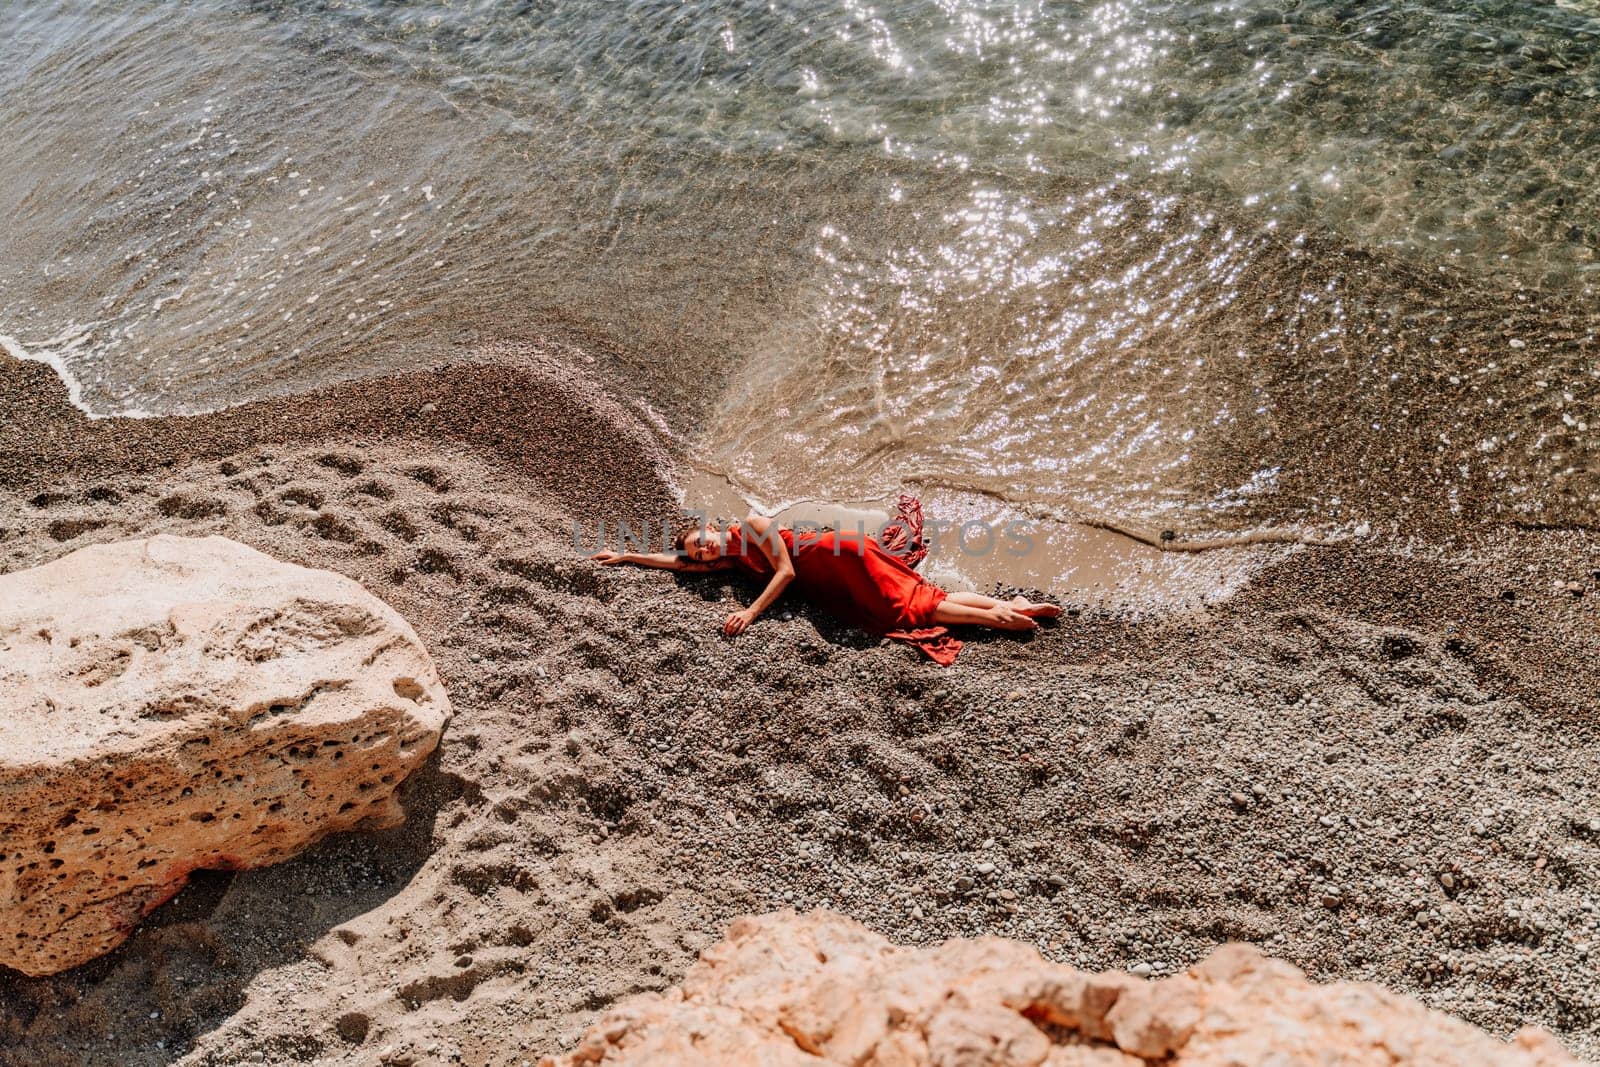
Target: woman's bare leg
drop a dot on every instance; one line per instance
(1021, 605)
(952, 612)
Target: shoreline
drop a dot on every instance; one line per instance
(620, 780)
(477, 401)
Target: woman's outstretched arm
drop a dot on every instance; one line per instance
(666, 561)
(769, 544)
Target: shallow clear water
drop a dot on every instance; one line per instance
(1145, 258)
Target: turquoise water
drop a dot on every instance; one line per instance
(1223, 258)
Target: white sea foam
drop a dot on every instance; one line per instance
(53, 353)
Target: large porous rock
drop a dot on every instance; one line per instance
(817, 990)
(173, 704)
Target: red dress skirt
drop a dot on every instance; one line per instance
(853, 578)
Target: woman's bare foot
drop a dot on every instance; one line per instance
(1008, 618)
(1024, 606)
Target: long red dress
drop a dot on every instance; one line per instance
(852, 577)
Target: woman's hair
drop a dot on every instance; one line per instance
(687, 525)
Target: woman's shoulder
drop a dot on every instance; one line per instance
(737, 543)
(759, 528)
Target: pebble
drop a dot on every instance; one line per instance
(1141, 970)
(1332, 896)
(985, 868)
(1447, 880)
(1517, 342)
(428, 408)
(1240, 800)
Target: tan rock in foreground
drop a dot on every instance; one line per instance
(173, 704)
(818, 989)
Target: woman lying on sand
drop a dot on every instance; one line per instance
(851, 575)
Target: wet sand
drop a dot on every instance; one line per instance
(1376, 760)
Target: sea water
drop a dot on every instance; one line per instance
(1223, 264)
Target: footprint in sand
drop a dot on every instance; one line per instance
(68, 529)
(433, 561)
(303, 497)
(433, 477)
(182, 506)
(399, 524)
(331, 527)
(345, 464)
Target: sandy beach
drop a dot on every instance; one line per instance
(1270, 326)
(1376, 760)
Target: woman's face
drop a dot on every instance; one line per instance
(703, 545)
